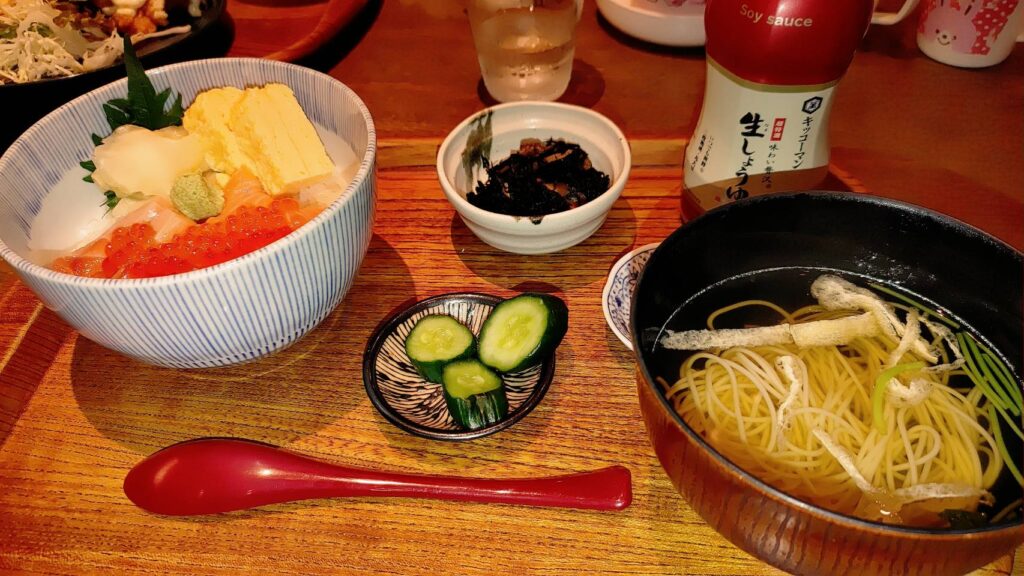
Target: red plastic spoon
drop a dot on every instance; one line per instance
(220, 475)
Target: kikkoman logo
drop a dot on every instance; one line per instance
(811, 105)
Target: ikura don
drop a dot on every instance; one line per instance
(171, 190)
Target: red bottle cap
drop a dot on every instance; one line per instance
(785, 42)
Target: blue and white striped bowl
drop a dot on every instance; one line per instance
(230, 313)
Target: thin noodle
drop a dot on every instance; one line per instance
(1006, 511)
(786, 317)
(938, 437)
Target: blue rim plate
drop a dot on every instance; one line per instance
(618, 290)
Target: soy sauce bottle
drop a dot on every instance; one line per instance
(772, 68)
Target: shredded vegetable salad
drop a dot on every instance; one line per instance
(42, 39)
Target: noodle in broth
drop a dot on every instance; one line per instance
(807, 419)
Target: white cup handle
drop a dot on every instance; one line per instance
(890, 18)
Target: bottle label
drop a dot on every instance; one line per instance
(756, 139)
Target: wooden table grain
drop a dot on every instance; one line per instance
(75, 417)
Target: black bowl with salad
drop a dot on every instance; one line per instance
(81, 32)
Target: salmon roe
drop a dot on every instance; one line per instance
(133, 251)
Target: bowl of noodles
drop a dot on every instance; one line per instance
(833, 382)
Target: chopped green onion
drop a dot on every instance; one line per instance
(1001, 445)
(983, 367)
(1009, 420)
(1003, 375)
(995, 399)
(1006, 378)
(1004, 393)
(997, 404)
(881, 383)
(916, 304)
(987, 384)
(986, 390)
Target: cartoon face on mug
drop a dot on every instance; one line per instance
(965, 26)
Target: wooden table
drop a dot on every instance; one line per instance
(75, 417)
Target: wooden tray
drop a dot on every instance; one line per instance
(75, 417)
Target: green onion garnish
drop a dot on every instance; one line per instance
(881, 383)
(993, 392)
(1002, 449)
(1001, 373)
(983, 367)
(926, 310)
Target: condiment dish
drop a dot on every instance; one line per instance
(617, 295)
(770, 247)
(232, 312)
(493, 133)
(408, 401)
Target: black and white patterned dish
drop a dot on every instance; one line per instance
(406, 400)
(618, 290)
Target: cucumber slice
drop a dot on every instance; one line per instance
(522, 331)
(436, 340)
(474, 393)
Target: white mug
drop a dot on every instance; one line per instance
(890, 18)
(970, 33)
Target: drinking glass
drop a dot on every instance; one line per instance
(525, 47)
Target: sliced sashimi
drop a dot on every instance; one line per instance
(135, 251)
(155, 213)
(243, 189)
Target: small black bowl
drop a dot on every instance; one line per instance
(408, 401)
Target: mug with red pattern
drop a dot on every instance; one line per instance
(970, 33)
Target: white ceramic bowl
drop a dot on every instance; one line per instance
(228, 313)
(661, 22)
(510, 123)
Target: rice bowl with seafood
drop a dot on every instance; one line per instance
(234, 310)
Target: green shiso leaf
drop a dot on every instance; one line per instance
(145, 105)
